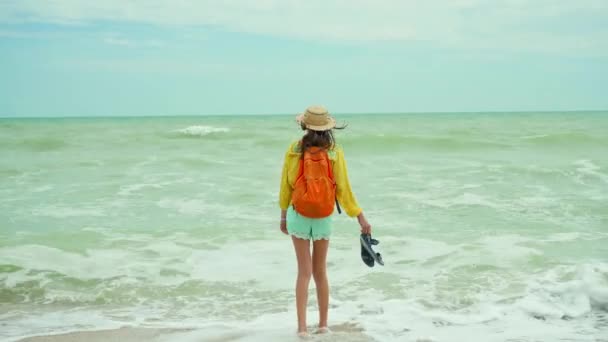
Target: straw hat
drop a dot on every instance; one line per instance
(317, 118)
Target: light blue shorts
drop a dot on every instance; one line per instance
(308, 228)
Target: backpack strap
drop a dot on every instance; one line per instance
(331, 173)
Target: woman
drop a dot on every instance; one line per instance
(319, 126)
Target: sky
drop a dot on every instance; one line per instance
(187, 57)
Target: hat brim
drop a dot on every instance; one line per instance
(331, 124)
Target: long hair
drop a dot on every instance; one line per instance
(322, 139)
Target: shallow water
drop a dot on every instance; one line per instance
(493, 227)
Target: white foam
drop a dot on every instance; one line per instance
(156, 181)
(587, 167)
(551, 297)
(96, 264)
(202, 130)
(186, 206)
(57, 322)
(562, 237)
(534, 136)
(43, 188)
(58, 211)
(247, 261)
(538, 315)
(470, 199)
(537, 201)
(440, 200)
(430, 303)
(127, 190)
(136, 170)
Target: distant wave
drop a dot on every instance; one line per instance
(40, 144)
(562, 138)
(200, 130)
(431, 142)
(462, 142)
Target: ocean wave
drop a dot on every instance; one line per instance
(566, 296)
(551, 297)
(201, 130)
(389, 141)
(39, 144)
(588, 168)
(450, 288)
(570, 138)
(62, 212)
(466, 142)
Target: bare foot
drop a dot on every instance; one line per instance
(322, 330)
(303, 334)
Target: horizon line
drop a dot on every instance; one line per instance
(286, 114)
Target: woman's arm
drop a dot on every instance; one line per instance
(344, 193)
(283, 224)
(366, 228)
(284, 194)
(285, 190)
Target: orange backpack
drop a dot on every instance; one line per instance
(314, 193)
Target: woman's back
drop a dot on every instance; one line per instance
(344, 193)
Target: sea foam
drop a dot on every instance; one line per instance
(200, 130)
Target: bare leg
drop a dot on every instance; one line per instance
(302, 248)
(319, 272)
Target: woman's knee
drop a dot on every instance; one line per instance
(319, 273)
(305, 272)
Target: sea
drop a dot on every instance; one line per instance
(492, 227)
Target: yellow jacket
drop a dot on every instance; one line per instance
(344, 194)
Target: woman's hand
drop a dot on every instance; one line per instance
(366, 228)
(284, 222)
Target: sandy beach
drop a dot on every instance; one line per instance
(122, 334)
(339, 332)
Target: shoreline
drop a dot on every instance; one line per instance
(117, 334)
(342, 331)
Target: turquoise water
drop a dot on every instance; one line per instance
(493, 227)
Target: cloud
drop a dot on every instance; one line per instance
(16, 34)
(117, 41)
(531, 25)
(145, 66)
(120, 41)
